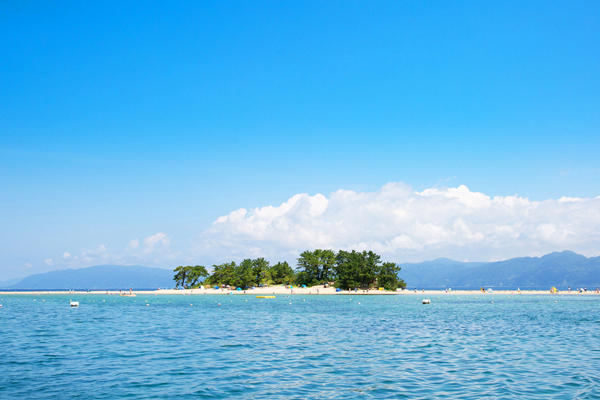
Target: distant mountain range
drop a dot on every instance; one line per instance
(99, 277)
(556, 269)
(9, 282)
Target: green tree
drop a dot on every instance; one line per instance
(195, 274)
(260, 268)
(223, 274)
(348, 270)
(282, 273)
(356, 270)
(244, 274)
(388, 277)
(181, 275)
(316, 267)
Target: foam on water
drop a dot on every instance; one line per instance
(370, 346)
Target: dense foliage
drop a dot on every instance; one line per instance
(316, 267)
(250, 273)
(189, 276)
(346, 270)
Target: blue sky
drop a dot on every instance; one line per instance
(120, 120)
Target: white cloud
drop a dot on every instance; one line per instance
(28, 265)
(134, 244)
(151, 241)
(99, 254)
(404, 225)
(49, 262)
(154, 249)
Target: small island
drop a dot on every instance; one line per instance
(344, 270)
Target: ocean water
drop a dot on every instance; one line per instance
(316, 347)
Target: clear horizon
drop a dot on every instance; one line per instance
(167, 134)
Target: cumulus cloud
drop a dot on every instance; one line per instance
(157, 242)
(100, 253)
(154, 248)
(134, 244)
(405, 225)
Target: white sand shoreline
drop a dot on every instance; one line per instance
(317, 290)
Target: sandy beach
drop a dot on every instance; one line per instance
(316, 290)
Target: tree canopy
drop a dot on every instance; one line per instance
(189, 276)
(316, 267)
(346, 270)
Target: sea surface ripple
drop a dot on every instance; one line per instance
(463, 347)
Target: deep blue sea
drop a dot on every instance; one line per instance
(522, 346)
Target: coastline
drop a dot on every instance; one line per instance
(316, 290)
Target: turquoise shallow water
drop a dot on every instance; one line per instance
(323, 347)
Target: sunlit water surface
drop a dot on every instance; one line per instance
(316, 347)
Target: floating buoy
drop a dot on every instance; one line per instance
(219, 304)
(147, 305)
(492, 302)
(426, 301)
(74, 304)
(555, 301)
